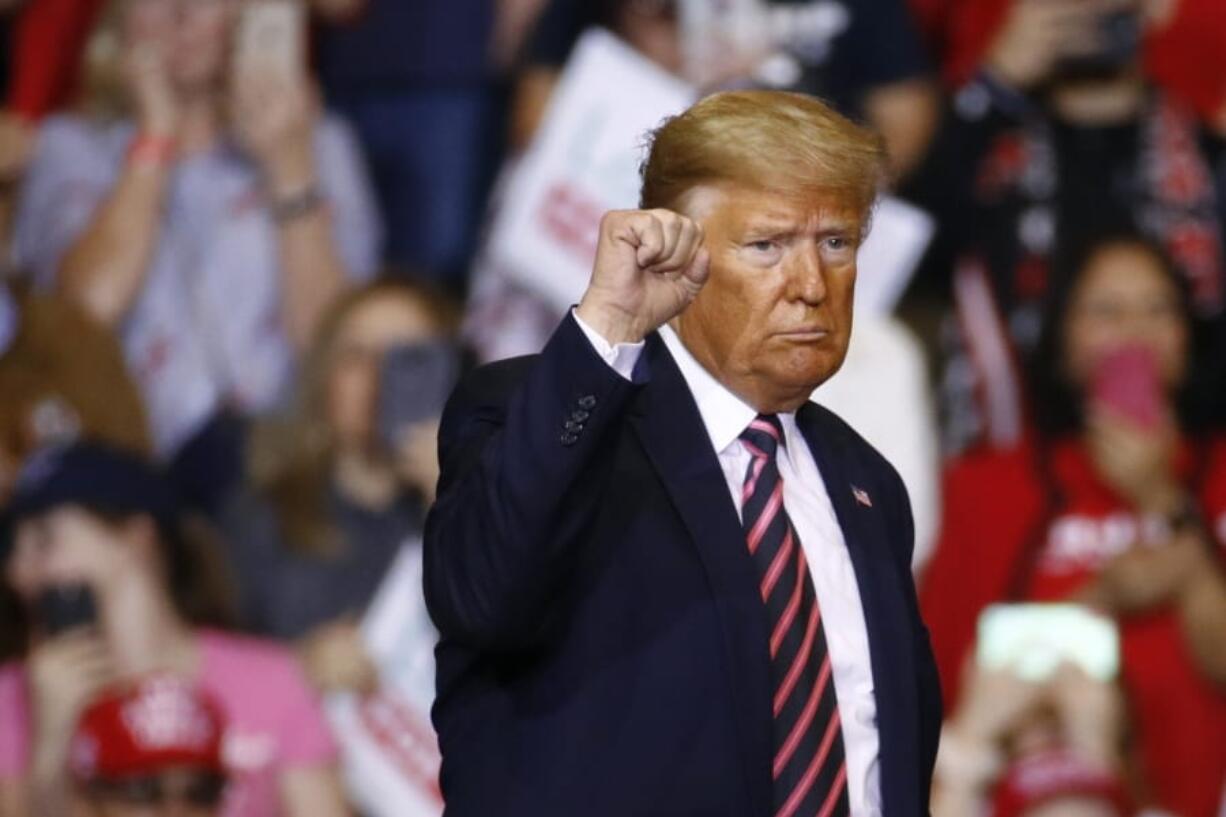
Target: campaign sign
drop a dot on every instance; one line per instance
(584, 162)
(389, 751)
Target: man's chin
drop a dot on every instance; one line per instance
(813, 364)
(803, 380)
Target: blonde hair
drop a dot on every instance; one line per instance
(787, 143)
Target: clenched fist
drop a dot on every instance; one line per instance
(650, 264)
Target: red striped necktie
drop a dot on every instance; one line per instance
(809, 770)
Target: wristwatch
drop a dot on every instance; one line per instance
(296, 205)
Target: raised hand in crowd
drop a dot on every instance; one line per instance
(65, 674)
(417, 458)
(1038, 34)
(997, 701)
(148, 80)
(1003, 720)
(335, 658)
(1090, 712)
(274, 114)
(1181, 573)
(105, 269)
(1178, 571)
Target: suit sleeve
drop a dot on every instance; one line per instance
(522, 473)
(927, 677)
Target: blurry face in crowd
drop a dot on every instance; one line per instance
(174, 793)
(193, 36)
(774, 319)
(71, 545)
(650, 26)
(369, 330)
(1125, 298)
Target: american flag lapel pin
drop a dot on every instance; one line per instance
(862, 496)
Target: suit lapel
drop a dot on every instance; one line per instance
(889, 627)
(667, 421)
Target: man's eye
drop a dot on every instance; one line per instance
(762, 246)
(837, 243)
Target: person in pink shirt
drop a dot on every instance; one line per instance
(92, 544)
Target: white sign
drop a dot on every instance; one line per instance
(887, 260)
(584, 162)
(389, 750)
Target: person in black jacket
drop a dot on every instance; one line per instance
(665, 582)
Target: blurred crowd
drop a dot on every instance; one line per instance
(241, 266)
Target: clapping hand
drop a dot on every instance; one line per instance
(273, 116)
(148, 79)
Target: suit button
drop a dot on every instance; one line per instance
(580, 416)
(587, 401)
(572, 426)
(569, 439)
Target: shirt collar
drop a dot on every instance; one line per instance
(723, 413)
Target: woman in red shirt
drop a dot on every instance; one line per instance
(1115, 501)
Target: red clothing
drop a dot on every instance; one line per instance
(1176, 56)
(48, 41)
(996, 511)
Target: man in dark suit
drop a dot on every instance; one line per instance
(666, 583)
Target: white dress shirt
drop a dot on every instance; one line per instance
(808, 506)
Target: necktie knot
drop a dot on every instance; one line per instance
(763, 436)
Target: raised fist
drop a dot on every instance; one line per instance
(650, 264)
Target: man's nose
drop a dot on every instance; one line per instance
(807, 276)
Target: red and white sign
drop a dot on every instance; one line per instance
(389, 750)
(584, 162)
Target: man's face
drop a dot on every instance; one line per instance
(774, 319)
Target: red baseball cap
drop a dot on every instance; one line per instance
(157, 723)
(1037, 779)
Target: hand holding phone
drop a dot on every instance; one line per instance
(1035, 640)
(271, 37)
(66, 607)
(414, 383)
(66, 669)
(273, 105)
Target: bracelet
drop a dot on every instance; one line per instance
(148, 150)
(296, 205)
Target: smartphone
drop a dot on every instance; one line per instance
(1120, 35)
(1033, 640)
(414, 383)
(1128, 381)
(271, 36)
(66, 607)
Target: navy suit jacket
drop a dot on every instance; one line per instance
(604, 649)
